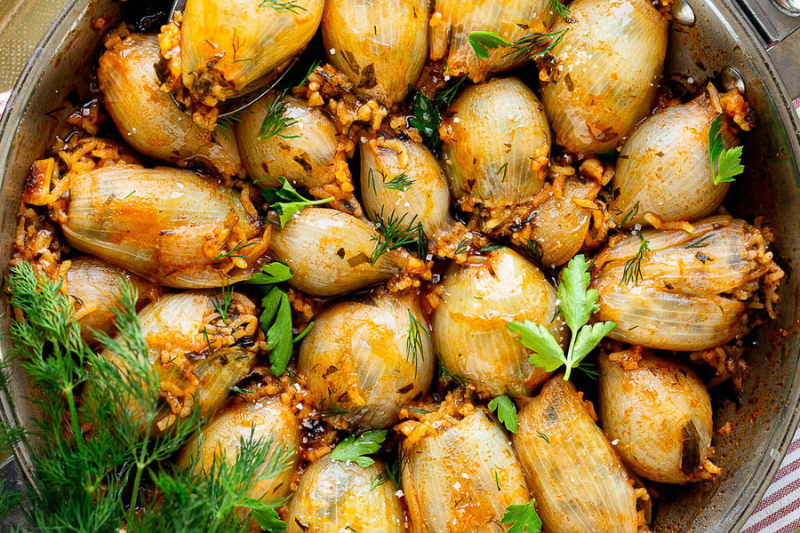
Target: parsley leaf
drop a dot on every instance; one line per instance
(265, 515)
(725, 164)
(275, 272)
(356, 449)
(482, 41)
(506, 412)
(287, 201)
(577, 303)
(279, 334)
(427, 118)
(524, 518)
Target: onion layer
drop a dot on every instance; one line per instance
(577, 478)
(659, 413)
(607, 68)
(469, 326)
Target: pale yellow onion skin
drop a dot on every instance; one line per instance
(329, 253)
(469, 326)
(560, 226)
(333, 496)
(613, 54)
(657, 414)
(94, 285)
(356, 357)
(156, 222)
(454, 20)
(267, 420)
(449, 480)
(254, 40)
(577, 478)
(680, 302)
(175, 323)
(497, 123)
(148, 119)
(427, 198)
(381, 45)
(665, 167)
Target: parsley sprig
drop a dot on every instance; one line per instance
(524, 518)
(725, 164)
(577, 303)
(483, 41)
(287, 201)
(356, 449)
(506, 412)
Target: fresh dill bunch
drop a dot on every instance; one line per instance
(208, 501)
(276, 121)
(394, 233)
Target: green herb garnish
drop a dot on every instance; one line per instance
(483, 41)
(632, 270)
(559, 9)
(577, 303)
(414, 344)
(401, 182)
(524, 518)
(394, 233)
(427, 118)
(276, 121)
(725, 164)
(282, 5)
(356, 449)
(506, 412)
(287, 201)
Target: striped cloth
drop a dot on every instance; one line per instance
(779, 511)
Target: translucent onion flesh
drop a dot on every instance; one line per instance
(167, 225)
(608, 66)
(469, 326)
(330, 253)
(381, 46)
(693, 288)
(226, 48)
(94, 286)
(496, 147)
(664, 167)
(368, 358)
(659, 414)
(454, 20)
(336, 496)
(452, 476)
(267, 420)
(577, 478)
(148, 119)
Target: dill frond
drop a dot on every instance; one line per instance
(222, 301)
(401, 182)
(448, 95)
(394, 233)
(632, 271)
(630, 214)
(311, 69)
(536, 44)
(559, 9)
(276, 121)
(414, 346)
(533, 249)
(232, 253)
(700, 243)
(463, 246)
(448, 376)
(282, 5)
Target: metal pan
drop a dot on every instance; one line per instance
(720, 37)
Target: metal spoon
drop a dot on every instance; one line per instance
(234, 105)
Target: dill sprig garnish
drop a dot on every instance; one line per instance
(314, 65)
(536, 44)
(232, 253)
(226, 124)
(415, 348)
(282, 5)
(543, 436)
(632, 271)
(448, 376)
(559, 9)
(401, 182)
(631, 214)
(700, 243)
(222, 301)
(462, 247)
(447, 96)
(276, 121)
(533, 249)
(504, 170)
(394, 233)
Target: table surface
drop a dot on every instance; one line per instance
(23, 22)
